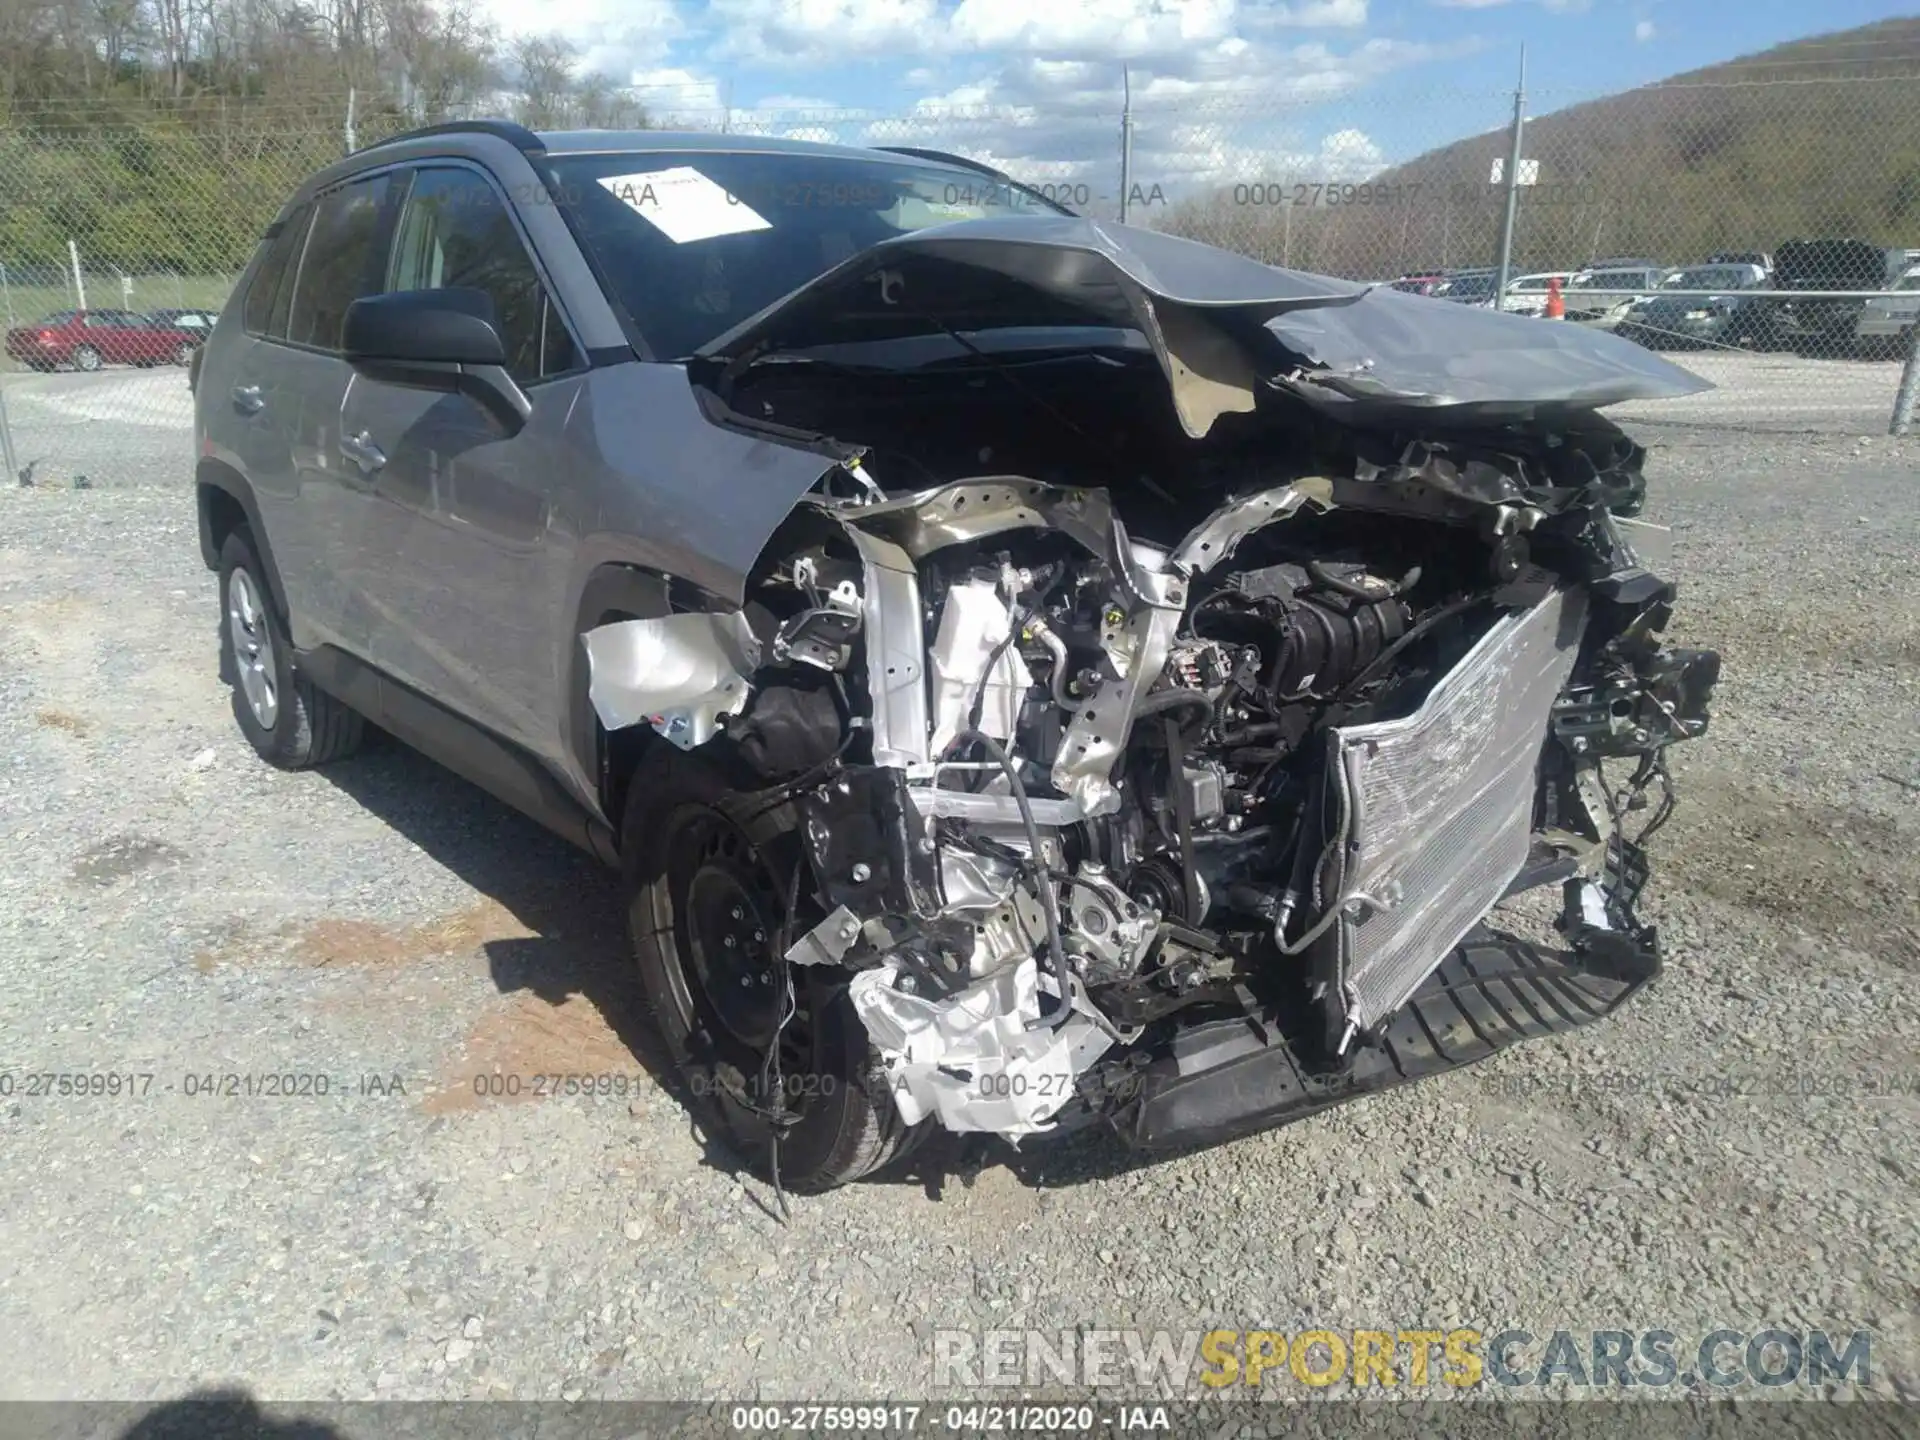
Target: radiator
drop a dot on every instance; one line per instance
(1438, 806)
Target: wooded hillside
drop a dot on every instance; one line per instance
(1816, 138)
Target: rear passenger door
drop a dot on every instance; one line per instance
(464, 570)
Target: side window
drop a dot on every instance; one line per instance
(341, 262)
(275, 274)
(455, 232)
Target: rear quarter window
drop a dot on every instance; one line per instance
(283, 248)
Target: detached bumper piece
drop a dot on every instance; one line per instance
(1226, 1079)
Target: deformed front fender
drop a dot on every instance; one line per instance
(693, 491)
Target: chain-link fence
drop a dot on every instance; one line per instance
(1767, 232)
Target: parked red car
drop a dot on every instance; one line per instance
(88, 339)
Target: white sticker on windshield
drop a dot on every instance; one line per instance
(683, 204)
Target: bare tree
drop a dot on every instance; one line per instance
(603, 104)
(445, 56)
(173, 35)
(541, 68)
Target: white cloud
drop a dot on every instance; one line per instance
(817, 32)
(791, 103)
(1110, 29)
(1234, 110)
(1558, 7)
(821, 32)
(1310, 14)
(614, 36)
(1643, 31)
(1222, 89)
(1350, 152)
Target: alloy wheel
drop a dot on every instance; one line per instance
(252, 649)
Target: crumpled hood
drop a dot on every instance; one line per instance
(1219, 324)
(1398, 351)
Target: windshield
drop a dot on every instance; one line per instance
(1611, 280)
(1708, 277)
(693, 242)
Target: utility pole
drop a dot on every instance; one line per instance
(351, 145)
(79, 285)
(1286, 225)
(1909, 391)
(1126, 139)
(1513, 186)
(7, 457)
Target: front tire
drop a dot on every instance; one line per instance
(705, 918)
(288, 722)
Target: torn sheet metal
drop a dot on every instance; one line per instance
(828, 942)
(971, 1059)
(677, 673)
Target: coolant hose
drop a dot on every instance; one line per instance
(1057, 648)
(1165, 700)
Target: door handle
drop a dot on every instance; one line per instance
(361, 450)
(248, 400)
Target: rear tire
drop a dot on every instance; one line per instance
(288, 722)
(705, 916)
(86, 358)
(182, 353)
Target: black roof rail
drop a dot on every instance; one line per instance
(518, 136)
(944, 157)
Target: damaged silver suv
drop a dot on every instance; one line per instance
(1034, 672)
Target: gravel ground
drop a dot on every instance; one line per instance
(171, 907)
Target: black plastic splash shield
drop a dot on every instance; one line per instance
(1493, 991)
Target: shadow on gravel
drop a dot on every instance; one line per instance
(570, 906)
(222, 1415)
(1075, 1159)
(574, 910)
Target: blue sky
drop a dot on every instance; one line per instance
(1225, 89)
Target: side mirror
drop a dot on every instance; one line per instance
(435, 340)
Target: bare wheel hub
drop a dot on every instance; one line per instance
(732, 910)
